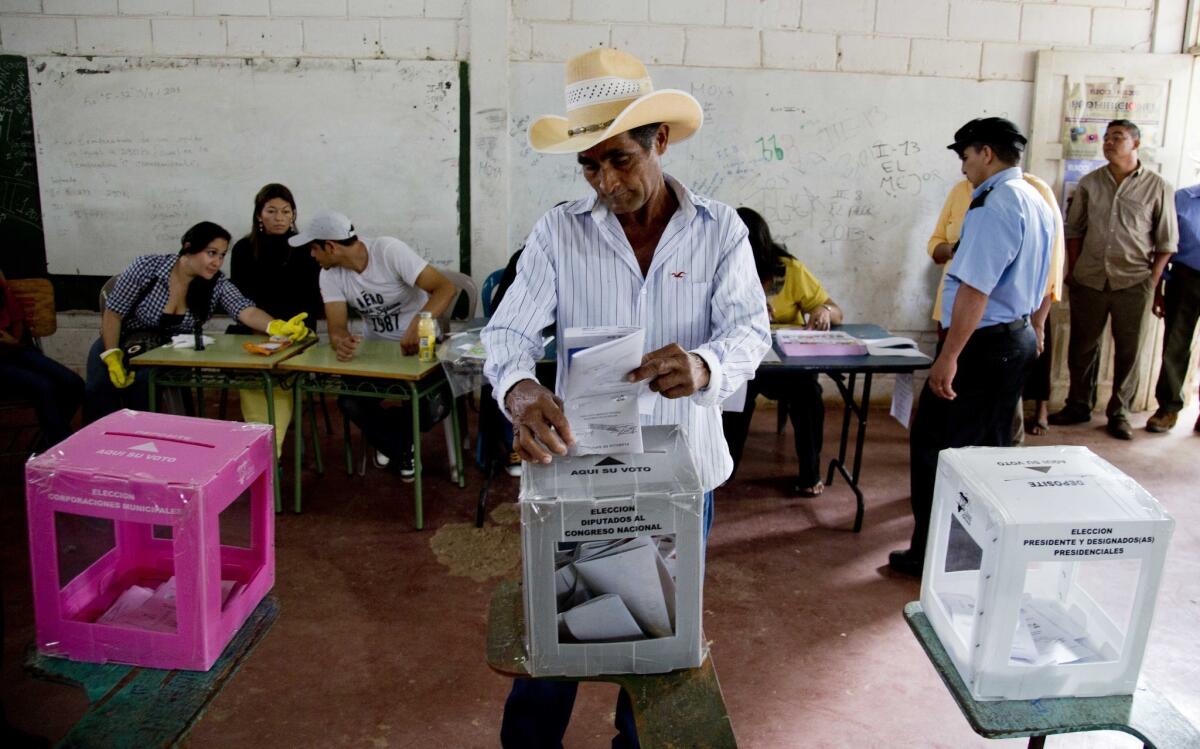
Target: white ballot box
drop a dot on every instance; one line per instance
(1041, 571)
(613, 560)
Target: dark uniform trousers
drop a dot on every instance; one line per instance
(991, 374)
(1182, 311)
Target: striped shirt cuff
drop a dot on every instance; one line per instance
(507, 383)
(710, 395)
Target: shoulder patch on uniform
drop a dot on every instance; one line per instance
(979, 201)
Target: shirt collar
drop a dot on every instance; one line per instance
(1192, 192)
(1004, 175)
(688, 200)
(164, 269)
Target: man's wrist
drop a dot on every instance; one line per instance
(706, 370)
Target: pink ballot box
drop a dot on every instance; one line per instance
(151, 538)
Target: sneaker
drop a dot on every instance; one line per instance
(381, 460)
(407, 467)
(1119, 427)
(1070, 415)
(906, 562)
(1161, 421)
(514, 465)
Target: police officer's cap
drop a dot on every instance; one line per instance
(988, 131)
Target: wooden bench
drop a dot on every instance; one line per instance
(680, 709)
(147, 707)
(1144, 714)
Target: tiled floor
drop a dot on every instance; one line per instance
(380, 641)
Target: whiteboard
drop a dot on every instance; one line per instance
(131, 152)
(849, 170)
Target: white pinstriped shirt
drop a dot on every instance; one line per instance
(701, 292)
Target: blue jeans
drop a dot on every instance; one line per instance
(54, 391)
(537, 711)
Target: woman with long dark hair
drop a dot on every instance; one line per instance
(157, 297)
(282, 281)
(794, 295)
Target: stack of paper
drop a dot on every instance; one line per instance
(799, 342)
(600, 404)
(615, 591)
(140, 607)
(893, 346)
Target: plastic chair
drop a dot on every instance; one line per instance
(489, 290)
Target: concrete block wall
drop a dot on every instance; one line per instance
(984, 39)
(395, 29)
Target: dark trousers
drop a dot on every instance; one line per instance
(1090, 309)
(1182, 303)
(54, 391)
(102, 397)
(991, 374)
(537, 711)
(387, 429)
(801, 394)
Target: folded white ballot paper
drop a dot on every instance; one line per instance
(601, 405)
(187, 340)
(634, 571)
(153, 609)
(1045, 633)
(601, 619)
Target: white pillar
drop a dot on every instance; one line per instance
(488, 76)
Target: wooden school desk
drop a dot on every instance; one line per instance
(844, 371)
(1145, 714)
(223, 364)
(378, 370)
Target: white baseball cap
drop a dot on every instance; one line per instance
(325, 225)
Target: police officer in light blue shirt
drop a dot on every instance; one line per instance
(995, 285)
(1177, 301)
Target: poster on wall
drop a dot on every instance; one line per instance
(1073, 171)
(1090, 104)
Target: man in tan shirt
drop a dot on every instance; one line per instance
(1121, 231)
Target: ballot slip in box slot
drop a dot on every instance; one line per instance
(1041, 571)
(613, 560)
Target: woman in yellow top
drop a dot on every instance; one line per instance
(794, 295)
(941, 249)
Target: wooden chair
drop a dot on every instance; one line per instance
(37, 298)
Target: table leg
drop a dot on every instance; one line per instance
(298, 438)
(852, 405)
(347, 445)
(316, 436)
(269, 392)
(150, 390)
(1037, 742)
(415, 402)
(458, 452)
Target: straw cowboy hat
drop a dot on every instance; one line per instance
(608, 93)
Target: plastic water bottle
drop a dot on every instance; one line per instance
(427, 334)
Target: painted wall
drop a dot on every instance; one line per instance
(961, 39)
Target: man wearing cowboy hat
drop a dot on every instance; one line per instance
(993, 306)
(643, 251)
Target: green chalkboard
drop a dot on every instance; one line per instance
(22, 246)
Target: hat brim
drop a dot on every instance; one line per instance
(676, 108)
(300, 240)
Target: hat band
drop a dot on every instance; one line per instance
(600, 90)
(589, 128)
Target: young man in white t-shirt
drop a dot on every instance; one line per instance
(388, 285)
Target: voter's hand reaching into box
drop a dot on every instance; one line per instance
(539, 425)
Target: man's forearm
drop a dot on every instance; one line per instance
(1041, 313)
(1074, 250)
(1159, 265)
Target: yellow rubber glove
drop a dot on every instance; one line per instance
(294, 328)
(114, 359)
